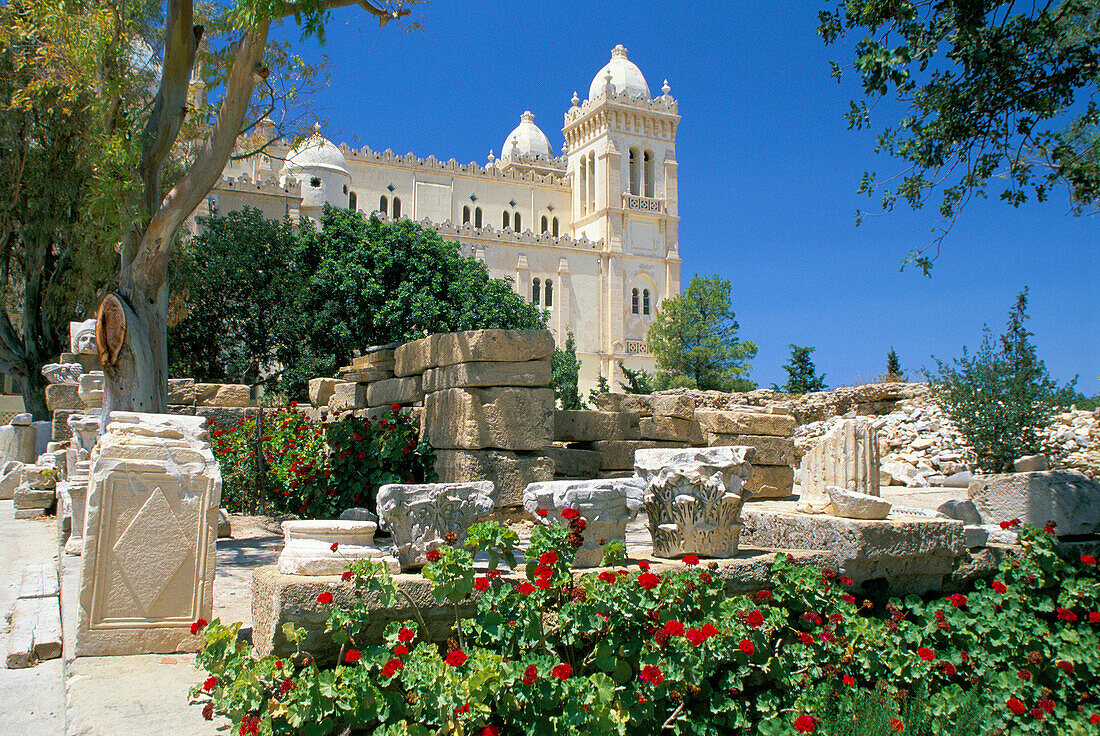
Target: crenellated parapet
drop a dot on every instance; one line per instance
(431, 163)
(665, 104)
(271, 186)
(448, 229)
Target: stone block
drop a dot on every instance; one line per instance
(584, 425)
(35, 631)
(222, 394)
(605, 505)
(1031, 463)
(40, 477)
(846, 457)
(852, 505)
(770, 481)
(347, 396)
(572, 463)
(649, 405)
(670, 429)
(381, 356)
(88, 361)
(60, 431)
(152, 520)
(364, 374)
(18, 442)
(63, 396)
(1066, 497)
(770, 450)
(619, 454)
(419, 516)
(34, 498)
(181, 391)
(223, 416)
(182, 409)
(528, 374)
(90, 389)
(11, 477)
(395, 391)
(912, 554)
(62, 372)
(499, 418)
(510, 472)
(29, 513)
(963, 510)
(321, 389)
(744, 422)
(505, 346)
(39, 581)
(308, 547)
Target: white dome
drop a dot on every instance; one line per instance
(626, 77)
(527, 140)
(316, 152)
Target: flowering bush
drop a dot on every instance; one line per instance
(642, 651)
(315, 469)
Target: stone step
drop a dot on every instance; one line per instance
(39, 581)
(35, 631)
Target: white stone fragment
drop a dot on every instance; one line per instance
(418, 516)
(851, 505)
(62, 372)
(82, 337)
(847, 457)
(605, 506)
(308, 549)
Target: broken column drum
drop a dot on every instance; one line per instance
(308, 546)
(605, 506)
(693, 498)
(419, 515)
(846, 457)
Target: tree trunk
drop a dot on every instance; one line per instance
(33, 387)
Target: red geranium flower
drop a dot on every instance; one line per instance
(395, 406)
(607, 576)
(1094, 719)
(755, 619)
(353, 656)
(648, 580)
(1064, 614)
(763, 595)
(691, 560)
(1064, 666)
(848, 598)
(391, 667)
(543, 583)
(333, 547)
(197, 626)
(947, 669)
(848, 680)
(433, 555)
(570, 514)
(490, 730)
(456, 657)
(548, 558)
(481, 584)
(347, 575)
(1017, 707)
(652, 674)
(464, 708)
(1024, 675)
(562, 671)
(325, 598)
(530, 674)
(1088, 560)
(400, 650)
(525, 588)
(746, 647)
(957, 600)
(1046, 704)
(209, 684)
(543, 512)
(805, 638)
(926, 654)
(1094, 617)
(674, 628)
(406, 635)
(805, 724)
(643, 565)
(999, 587)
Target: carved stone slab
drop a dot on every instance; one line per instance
(62, 372)
(846, 457)
(308, 549)
(419, 515)
(605, 506)
(152, 515)
(693, 498)
(82, 337)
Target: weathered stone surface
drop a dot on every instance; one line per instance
(88, 361)
(225, 525)
(605, 505)
(651, 405)
(770, 450)
(529, 374)
(395, 391)
(182, 409)
(852, 505)
(60, 373)
(1031, 464)
(770, 482)
(18, 442)
(573, 463)
(11, 477)
(1068, 498)
(308, 548)
(619, 454)
(693, 498)
(745, 422)
(222, 394)
(224, 416)
(40, 477)
(436, 351)
(33, 498)
(39, 581)
(358, 513)
(671, 429)
(78, 499)
(381, 355)
(365, 373)
(35, 631)
(583, 425)
(63, 396)
(152, 517)
(181, 391)
(912, 554)
(509, 472)
(847, 457)
(90, 389)
(347, 396)
(321, 389)
(82, 337)
(500, 418)
(419, 515)
(964, 511)
(60, 431)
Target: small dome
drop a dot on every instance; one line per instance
(527, 140)
(316, 152)
(626, 77)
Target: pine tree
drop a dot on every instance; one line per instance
(602, 387)
(564, 372)
(893, 368)
(801, 373)
(637, 381)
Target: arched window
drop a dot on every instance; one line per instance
(515, 223)
(383, 205)
(583, 187)
(634, 301)
(592, 182)
(352, 201)
(549, 293)
(396, 208)
(465, 215)
(507, 219)
(634, 171)
(477, 217)
(645, 301)
(535, 291)
(555, 227)
(648, 160)
(545, 226)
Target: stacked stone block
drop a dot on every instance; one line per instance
(488, 409)
(36, 493)
(772, 435)
(367, 387)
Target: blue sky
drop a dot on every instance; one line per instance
(767, 172)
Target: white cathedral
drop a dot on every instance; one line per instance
(590, 235)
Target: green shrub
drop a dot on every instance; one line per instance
(565, 370)
(314, 469)
(633, 651)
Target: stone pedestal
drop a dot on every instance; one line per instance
(847, 457)
(419, 515)
(693, 498)
(308, 549)
(605, 506)
(78, 496)
(152, 514)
